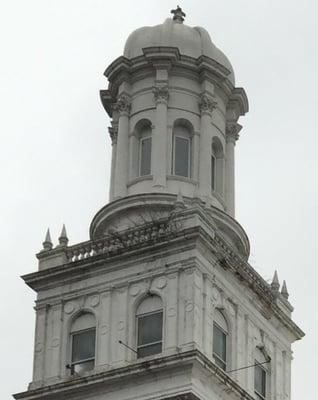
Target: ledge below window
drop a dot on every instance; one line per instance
(181, 179)
(139, 179)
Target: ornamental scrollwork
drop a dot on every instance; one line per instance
(113, 134)
(207, 104)
(232, 132)
(123, 104)
(161, 94)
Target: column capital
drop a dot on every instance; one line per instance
(232, 132)
(113, 134)
(161, 93)
(123, 104)
(113, 131)
(207, 104)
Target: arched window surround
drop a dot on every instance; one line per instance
(222, 324)
(182, 148)
(262, 373)
(75, 327)
(143, 148)
(141, 309)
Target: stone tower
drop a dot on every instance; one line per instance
(161, 302)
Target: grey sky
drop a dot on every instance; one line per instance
(55, 153)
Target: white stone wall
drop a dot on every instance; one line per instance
(191, 285)
(180, 101)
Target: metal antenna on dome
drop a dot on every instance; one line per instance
(178, 15)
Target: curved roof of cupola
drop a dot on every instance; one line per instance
(191, 41)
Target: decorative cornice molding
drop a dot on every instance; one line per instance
(232, 132)
(161, 94)
(206, 104)
(82, 385)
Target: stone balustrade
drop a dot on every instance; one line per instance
(115, 242)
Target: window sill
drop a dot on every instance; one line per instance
(181, 179)
(140, 179)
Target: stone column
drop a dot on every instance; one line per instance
(122, 153)
(232, 131)
(113, 132)
(159, 139)
(206, 105)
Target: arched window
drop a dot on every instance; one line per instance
(149, 323)
(261, 373)
(217, 166)
(220, 336)
(83, 334)
(181, 162)
(144, 147)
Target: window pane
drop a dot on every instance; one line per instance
(149, 350)
(145, 156)
(219, 343)
(83, 345)
(181, 156)
(260, 380)
(149, 329)
(213, 172)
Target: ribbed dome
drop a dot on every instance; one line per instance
(192, 42)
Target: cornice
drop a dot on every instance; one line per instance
(97, 381)
(167, 58)
(165, 233)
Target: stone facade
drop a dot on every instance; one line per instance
(168, 236)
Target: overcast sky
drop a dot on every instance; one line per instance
(55, 152)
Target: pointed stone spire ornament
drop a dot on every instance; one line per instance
(63, 239)
(47, 244)
(284, 291)
(178, 15)
(275, 283)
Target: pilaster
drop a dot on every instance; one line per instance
(161, 96)
(122, 154)
(232, 131)
(206, 105)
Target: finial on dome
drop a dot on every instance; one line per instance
(178, 15)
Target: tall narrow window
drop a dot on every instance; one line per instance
(145, 156)
(181, 160)
(260, 381)
(213, 172)
(261, 374)
(142, 148)
(149, 327)
(182, 156)
(83, 334)
(220, 333)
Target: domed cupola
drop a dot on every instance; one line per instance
(190, 41)
(174, 109)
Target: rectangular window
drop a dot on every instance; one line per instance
(83, 350)
(219, 346)
(182, 156)
(213, 170)
(149, 334)
(260, 381)
(145, 156)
